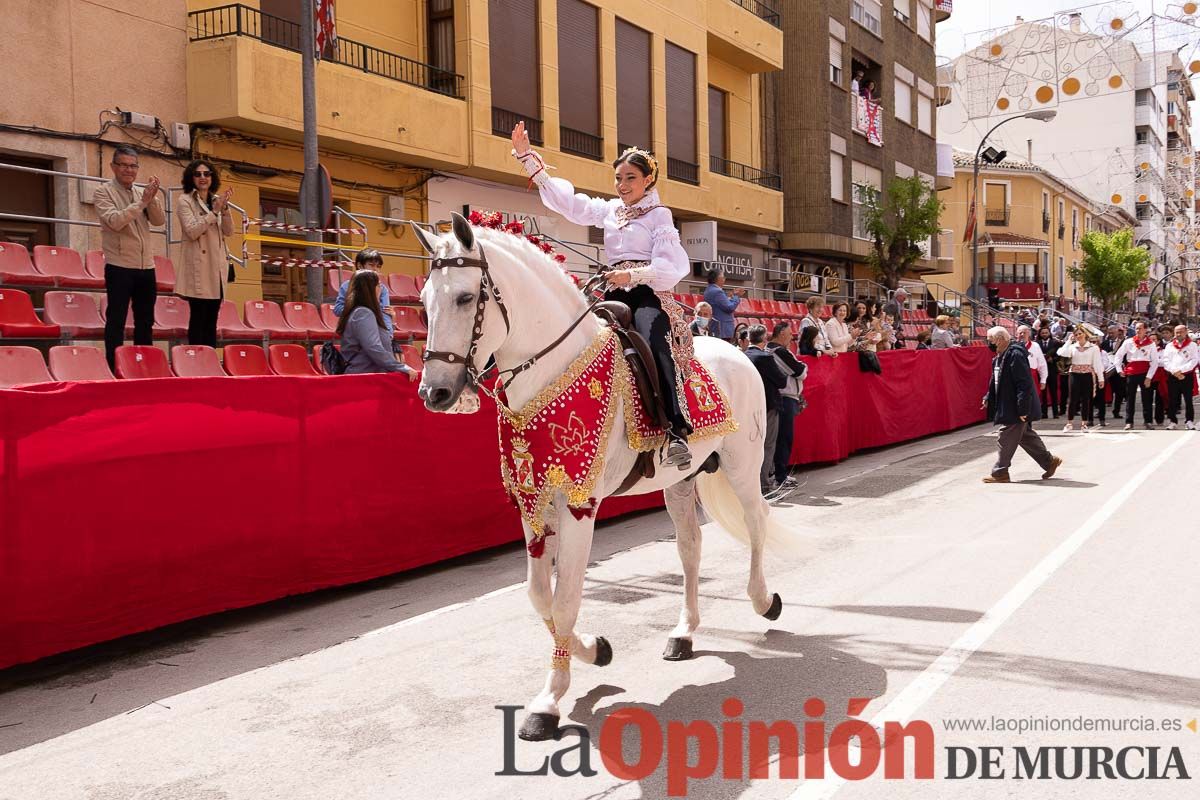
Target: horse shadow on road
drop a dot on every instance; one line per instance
(772, 686)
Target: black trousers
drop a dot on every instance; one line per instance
(124, 286)
(202, 321)
(1118, 386)
(1064, 393)
(1100, 407)
(1181, 389)
(1083, 392)
(1134, 384)
(788, 409)
(1049, 396)
(655, 327)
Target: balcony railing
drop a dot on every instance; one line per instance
(240, 20)
(943, 9)
(1045, 222)
(742, 172)
(503, 122)
(995, 216)
(580, 144)
(866, 117)
(684, 171)
(760, 10)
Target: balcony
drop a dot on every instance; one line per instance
(243, 71)
(945, 80)
(866, 118)
(942, 9)
(579, 143)
(945, 166)
(996, 217)
(683, 171)
(1018, 291)
(746, 34)
(733, 169)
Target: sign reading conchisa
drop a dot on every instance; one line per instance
(736, 266)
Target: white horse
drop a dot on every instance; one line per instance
(533, 304)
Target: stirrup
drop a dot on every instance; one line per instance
(677, 454)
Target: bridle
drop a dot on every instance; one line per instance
(488, 288)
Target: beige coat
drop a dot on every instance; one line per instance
(125, 225)
(205, 266)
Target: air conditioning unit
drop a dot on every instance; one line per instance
(779, 269)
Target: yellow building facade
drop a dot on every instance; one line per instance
(1028, 225)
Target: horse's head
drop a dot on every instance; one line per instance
(452, 297)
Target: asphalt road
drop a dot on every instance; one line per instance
(1040, 604)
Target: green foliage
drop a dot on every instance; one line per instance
(1112, 266)
(898, 221)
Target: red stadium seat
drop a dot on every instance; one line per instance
(328, 317)
(16, 268)
(305, 317)
(230, 325)
(75, 363)
(265, 316)
(22, 365)
(18, 319)
(751, 305)
(420, 280)
(171, 317)
(75, 312)
(409, 323)
(102, 300)
(290, 359)
(93, 263)
(65, 266)
(137, 361)
(774, 308)
(403, 288)
(412, 357)
(164, 274)
(337, 278)
(245, 360)
(196, 361)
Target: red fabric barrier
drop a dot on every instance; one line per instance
(125, 506)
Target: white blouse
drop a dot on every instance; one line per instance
(651, 237)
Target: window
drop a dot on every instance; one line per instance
(995, 204)
(837, 167)
(904, 170)
(1046, 268)
(440, 44)
(869, 14)
(1143, 137)
(1062, 273)
(923, 26)
(1062, 224)
(1075, 227)
(902, 10)
(1045, 212)
(633, 87)
(717, 122)
(835, 61)
(925, 108)
(926, 179)
(681, 115)
(904, 93)
(866, 181)
(514, 67)
(579, 85)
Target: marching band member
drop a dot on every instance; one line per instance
(646, 258)
(1087, 374)
(1137, 360)
(1179, 360)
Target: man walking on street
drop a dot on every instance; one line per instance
(126, 214)
(773, 379)
(1179, 360)
(1012, 403)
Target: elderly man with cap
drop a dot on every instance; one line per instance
(1012, 403)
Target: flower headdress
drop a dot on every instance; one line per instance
(650, 159)
(495, 221)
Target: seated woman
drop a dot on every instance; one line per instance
(366, 343)
(647, 260)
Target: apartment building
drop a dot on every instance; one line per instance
(834, 141)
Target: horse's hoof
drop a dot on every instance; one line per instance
(538, 727)
(603, 652)
(775, 610)
(678, 649)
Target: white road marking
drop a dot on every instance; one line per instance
(925, 685)
(437, 612)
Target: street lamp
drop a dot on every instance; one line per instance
(1041, 115)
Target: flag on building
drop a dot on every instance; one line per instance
(323, 24)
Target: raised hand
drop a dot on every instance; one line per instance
(221, 204)
(520, 139)
(150, 191)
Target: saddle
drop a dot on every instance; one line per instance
(639, 357)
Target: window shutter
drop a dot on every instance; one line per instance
(681, 104)
(512, 32)
(716, 123)
(578, 66)
(633, 87)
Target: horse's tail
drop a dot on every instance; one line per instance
(722, 504)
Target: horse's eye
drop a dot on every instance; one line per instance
(464, 299)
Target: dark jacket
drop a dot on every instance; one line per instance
(773, 377)
(1016, 395)
(1050, 348)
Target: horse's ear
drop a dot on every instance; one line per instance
(462, 231)
(423, 238)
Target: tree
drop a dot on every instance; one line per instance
(898, 222)
(1112, 266)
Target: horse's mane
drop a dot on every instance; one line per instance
(532, 257)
